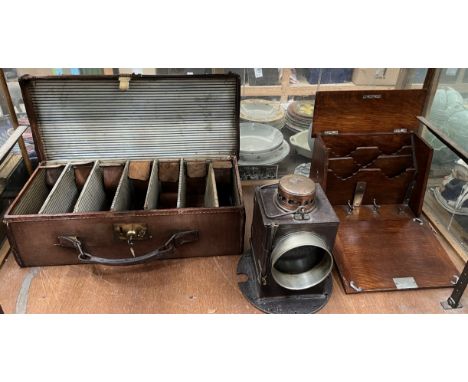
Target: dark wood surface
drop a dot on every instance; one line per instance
(387, 143)
(196, 285)
(423, 156)
(367, 111)
(379, 187)
(373, 251)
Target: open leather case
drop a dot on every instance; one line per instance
(374, 168)
(133, 168)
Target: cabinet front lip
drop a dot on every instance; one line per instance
(125, 214)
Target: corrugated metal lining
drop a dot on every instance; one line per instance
(93, 195)
(35, 195)
(122, 197)
(156, 117)
(63, 195)
(152, 195)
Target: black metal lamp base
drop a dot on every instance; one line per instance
(291, 304)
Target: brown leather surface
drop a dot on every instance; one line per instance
(34, 239)
(52, 174)
(82, 173)
(111, 175)
(169, 171)
(139, 169)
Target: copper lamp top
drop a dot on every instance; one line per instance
(295, 191)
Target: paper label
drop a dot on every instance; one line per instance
(405, 283)
(258, 72)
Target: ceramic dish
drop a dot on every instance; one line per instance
(279, 124)
(300, 142)
(270, 158)
(262, 111)
(299, 116)
(258, 138)
(304, 109)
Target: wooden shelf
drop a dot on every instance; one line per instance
(302, 90)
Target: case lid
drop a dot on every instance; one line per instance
(367, 111)
(95, 117)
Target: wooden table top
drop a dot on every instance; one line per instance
(197, 285)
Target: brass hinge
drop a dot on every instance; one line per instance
(331, 132)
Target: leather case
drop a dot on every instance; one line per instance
(133, 168)
(374, 168)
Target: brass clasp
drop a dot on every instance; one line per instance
(131, 232)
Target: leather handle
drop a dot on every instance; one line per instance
(174, 241)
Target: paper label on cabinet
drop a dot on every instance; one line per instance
(258, 72)
(405, 283)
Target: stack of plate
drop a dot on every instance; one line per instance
(262, 111)
(261, 144)
(299, 115)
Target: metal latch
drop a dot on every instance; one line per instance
(131, 232)
(135, 231)
(330, 132)
(359, 193)
(124, 82)
(400, 131)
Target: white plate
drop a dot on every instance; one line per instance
(257, 138)
(260, 110)
(279, 124)
(270, 158)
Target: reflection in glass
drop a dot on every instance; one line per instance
(446, 200)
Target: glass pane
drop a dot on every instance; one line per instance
(6, 126)
(415, 78)
(446, 201)
(282, 100)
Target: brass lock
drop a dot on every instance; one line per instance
(131, 232)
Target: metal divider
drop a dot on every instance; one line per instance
(211, 192)
(93, 195)
(63, 195)
(182, 190)
(152, 193)
(122, 198)
(35, 195)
